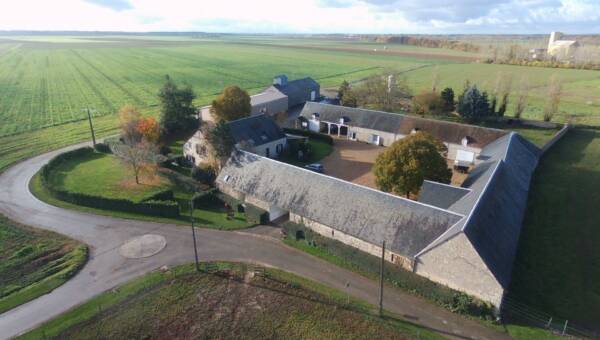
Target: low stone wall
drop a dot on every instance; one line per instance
(556, 138)
(352, 241)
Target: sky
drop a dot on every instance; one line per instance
(305, 16)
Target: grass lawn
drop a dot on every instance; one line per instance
(557, 269)
(320, 150)
(103, 175)
(232, 304)
(33, 262)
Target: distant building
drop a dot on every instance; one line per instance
(257, 134)
(537, 54)
(298, 91)
(561, 49)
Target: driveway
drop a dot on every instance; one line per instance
(106, 268)
(352, 161)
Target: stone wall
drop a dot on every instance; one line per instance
(456, 264)
(352, 241)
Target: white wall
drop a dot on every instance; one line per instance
(262, 149)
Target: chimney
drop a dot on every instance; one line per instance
(280, 80)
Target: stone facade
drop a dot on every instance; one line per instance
(456, 264)
(352, 241)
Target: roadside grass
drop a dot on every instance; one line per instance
(557, 269)
(229, 303)
(320, 150)
(514, 330)
(34, 262)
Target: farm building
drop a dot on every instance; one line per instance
(257, 134)
(561, 49)
(384, 128)
(463, 237)
(298, 91)
(277, 98)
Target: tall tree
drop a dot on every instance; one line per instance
(504, 93)
(220, 141)
(384, 93)
(232, 104)
(403, 166)
(473, 104)
(522, 97)
(176, 106)
(448, 99)
(148, 128)
(346, 95)
(554, 97)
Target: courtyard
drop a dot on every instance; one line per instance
(352, 161)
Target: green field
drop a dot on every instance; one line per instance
(230, 304)
(557, 270)
(33, 262)
(47, 81)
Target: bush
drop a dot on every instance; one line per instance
(153, 206)
(428, 103)
(206, 198)
(102, 147)
(453, 300)
(182, 181)
(256, 215)
(312, 135)
(164, 195)
(204, 175)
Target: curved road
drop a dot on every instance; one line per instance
(106, 268)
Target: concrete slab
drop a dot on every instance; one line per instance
(143, 246)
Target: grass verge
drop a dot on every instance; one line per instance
(34, 262)
(231, 302)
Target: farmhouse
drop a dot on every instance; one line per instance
(257, 134)
(279, 97)
(463, 237)
(383, 128)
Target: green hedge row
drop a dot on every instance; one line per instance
(449, 298)
(311, 135)
(256, 215)
(164, 195)
(153, 206)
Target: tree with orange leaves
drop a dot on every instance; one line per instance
(148, 128)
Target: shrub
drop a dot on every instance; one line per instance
(256, 215)
(428, 103)
(164, 195)
(206, 198)
(204, 175)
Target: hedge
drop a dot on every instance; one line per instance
(206, 198)
(102, 147)
(160, 204)
(449, 298)
(256, 215)
(164, 195)
(182, 181)
(312, 135)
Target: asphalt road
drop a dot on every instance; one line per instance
(106, 268)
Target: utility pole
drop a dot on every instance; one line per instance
(194, 234)
(91, 126)
(381, 280)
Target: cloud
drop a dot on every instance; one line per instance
(117, 5)
(307, 16)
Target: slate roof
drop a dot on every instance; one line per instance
(298, 91)
(266, 96)
(440, 195)
(495, 206)
(376, 120)
(257, 130)
(403, 124)
(370, 215)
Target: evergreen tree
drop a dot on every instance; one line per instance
(448, 98)
(473, 104)
(176, 106)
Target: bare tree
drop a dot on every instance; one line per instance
(554, 97)
(137, 155)
(522, 97)
(382, 93)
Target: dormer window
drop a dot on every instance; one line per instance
(315, 116)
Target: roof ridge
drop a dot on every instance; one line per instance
(448, 185)
(355, 184)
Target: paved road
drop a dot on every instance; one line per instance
(107, 268)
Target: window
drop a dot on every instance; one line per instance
(267, 152)
(279, 148)
(332, 232)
